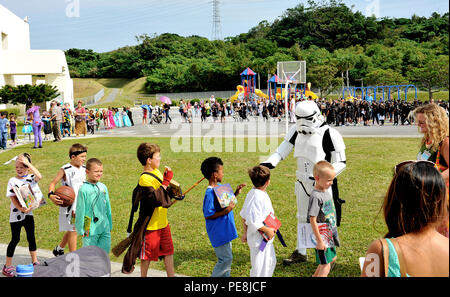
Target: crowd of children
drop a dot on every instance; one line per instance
(90, 214)
(110, 118)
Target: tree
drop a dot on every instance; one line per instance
(433, 75)
(324, 77)
(26, 94)
(382, 77)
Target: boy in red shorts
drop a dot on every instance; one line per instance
(157, 241)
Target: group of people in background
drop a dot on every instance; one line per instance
(337, 112)
(61, 121)
(367, 113)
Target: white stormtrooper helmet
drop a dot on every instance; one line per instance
(309, 118)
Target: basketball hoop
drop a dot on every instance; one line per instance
(290, 72)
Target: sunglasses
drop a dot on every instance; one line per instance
(401, 164)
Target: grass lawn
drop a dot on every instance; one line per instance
(363, 185)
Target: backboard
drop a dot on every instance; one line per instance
(294, 71)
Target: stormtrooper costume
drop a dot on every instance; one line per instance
(312, 140)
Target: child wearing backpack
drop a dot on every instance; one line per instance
(151, 238)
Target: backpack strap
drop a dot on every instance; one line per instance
(151, 174)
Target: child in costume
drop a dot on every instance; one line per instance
(37, 124)
(151, 238)
(220, 224)
(72, 174)
(12, 128)
(94, 220)
(22, 216)
(257, 207)
(111, 123)
(126, 119)
(4, 124)
(47, 124)
(321, 210)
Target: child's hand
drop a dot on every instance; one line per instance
(239, 189)
(244, 237)
(167, 177)
(25, 209)
(270, 233)
(320, 245)
(22, 159)
(232, 205)
(55, 199)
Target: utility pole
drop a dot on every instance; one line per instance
(216, 28)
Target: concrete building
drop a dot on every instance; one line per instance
(19, 64)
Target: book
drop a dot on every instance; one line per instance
(27, 197)
(307, 239)
(225, 195)
(271, 221)
(86, 225)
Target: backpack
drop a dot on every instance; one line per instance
(135, 201)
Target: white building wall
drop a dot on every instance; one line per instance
(18, 62)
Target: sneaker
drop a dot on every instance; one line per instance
(296, 257)
(9, 271)
(57, 252)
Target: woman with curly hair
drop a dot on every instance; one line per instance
(432, 121)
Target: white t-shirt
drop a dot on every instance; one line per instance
(16, 215)
(257, 206)
(74, 178)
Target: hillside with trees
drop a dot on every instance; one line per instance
(340, 46)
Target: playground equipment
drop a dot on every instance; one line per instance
(248, 81)
(239, 93)
(260, 93)
(308, 93)
(365, 92)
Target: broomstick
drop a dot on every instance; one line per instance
(193, 186)
(123, 245)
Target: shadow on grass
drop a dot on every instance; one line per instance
(241, 265)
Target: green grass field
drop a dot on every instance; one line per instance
(363, 185)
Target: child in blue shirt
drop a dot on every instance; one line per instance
(4, 124)
(220, 224)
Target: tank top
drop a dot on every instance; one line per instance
(74, 179)
(394, 263)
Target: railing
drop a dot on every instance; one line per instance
(91, 100)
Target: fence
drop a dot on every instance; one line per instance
(200, 95)
(90, 100)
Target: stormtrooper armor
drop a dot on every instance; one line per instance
(312, 140)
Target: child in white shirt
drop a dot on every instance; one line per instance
(257, 207)
(28, 175)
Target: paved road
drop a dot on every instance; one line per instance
(22, 257)
(256, 126)
(112, 96)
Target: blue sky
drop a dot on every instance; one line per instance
(104, 25)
